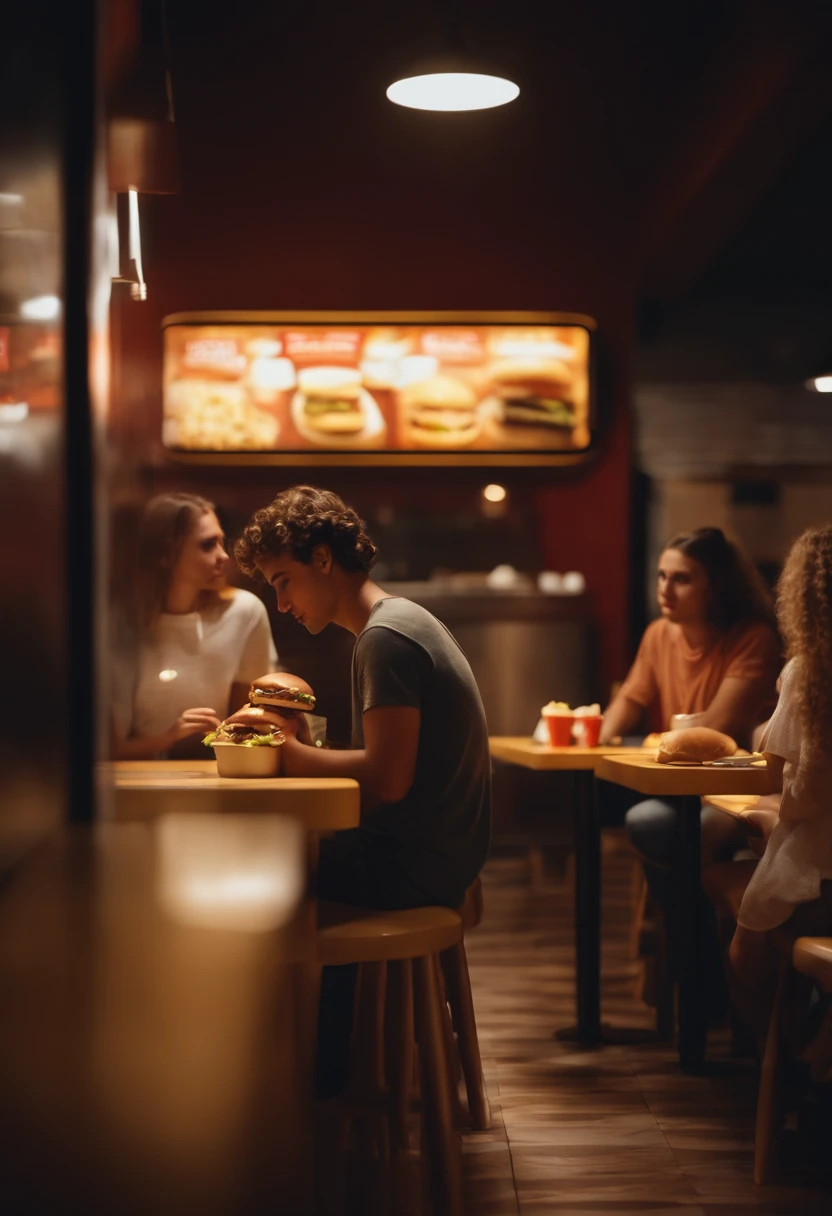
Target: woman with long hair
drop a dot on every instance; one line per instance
(713, 652)
(792, 884)
(187, 646)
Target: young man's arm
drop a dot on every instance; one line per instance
(384, 767)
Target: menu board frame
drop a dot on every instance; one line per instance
(392, 457)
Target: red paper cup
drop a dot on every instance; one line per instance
(590, 730)
(560, 729)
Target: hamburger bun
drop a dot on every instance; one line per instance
(250, 722)
(693, 745)
(279, 689)
(530, 378)
(439, 412)
(532, 393)
(254, 716)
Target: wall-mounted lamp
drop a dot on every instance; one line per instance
(130, 245)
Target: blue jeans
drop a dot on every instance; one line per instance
(653, 828)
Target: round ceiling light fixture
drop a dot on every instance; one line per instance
(452, 87)
(452, 80)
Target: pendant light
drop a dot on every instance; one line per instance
(452, 81)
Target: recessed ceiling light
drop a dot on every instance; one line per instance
(448, 91)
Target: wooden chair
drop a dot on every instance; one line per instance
(400, 987)
(812, 957)
(725, 884)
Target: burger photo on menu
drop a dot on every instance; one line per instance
(440, 412)
(531, 398)
(247, 744)
(332, 408)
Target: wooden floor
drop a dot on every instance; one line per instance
(618, 1130)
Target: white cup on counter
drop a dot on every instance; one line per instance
(682, 721)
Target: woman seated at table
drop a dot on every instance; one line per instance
(186, 645)
(791, 886)
(714, 652)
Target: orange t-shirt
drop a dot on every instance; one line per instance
(668, 677)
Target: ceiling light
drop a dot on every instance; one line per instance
(452, 80)
(494, 493)
(452, 90)
(821, 384)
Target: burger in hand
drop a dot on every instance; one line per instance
(281, 691)
(440, 412)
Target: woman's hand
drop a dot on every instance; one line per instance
(193, 722)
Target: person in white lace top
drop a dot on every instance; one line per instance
(792, 884)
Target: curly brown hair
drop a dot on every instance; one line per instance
(296, 522)
(804, 607)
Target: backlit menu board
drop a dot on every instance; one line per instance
(350, 384)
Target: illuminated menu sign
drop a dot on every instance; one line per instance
(337, 386)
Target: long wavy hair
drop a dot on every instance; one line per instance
(165, 525)
(738, 592)
(804, 608)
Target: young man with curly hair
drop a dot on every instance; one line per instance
(420, 741)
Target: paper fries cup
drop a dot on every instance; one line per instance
(234, 760)
(560, 729)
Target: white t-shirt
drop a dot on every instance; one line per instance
(798, 856)
(192, 659)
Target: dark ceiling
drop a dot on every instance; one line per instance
(696, 135)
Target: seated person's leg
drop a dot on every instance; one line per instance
(653, 828)
(722, 835)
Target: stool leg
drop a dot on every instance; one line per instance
(451, 1053)
(443, 1140)
(368, 1040)
(400, 1036)
(458, 982)
(768, 1095)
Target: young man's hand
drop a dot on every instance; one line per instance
(297, 727)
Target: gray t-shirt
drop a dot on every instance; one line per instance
(441, 829)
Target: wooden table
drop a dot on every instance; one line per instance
(145, 789)
(687, 785)
(583, 763)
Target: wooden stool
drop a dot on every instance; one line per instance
(399, 950)
(458, 989)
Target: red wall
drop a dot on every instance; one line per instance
(351, 203)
